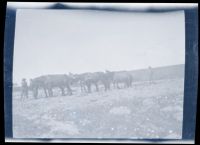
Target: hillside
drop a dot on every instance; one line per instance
(143, 111)
(159, 73)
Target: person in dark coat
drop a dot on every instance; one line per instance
(150, 75)
(24, 91)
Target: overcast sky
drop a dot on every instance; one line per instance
(76, 41)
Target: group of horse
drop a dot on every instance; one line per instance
(84, 81)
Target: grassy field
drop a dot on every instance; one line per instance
(143, 111)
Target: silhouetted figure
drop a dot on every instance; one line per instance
(107, 79)
(49, 82)
(88, 80)
(24, 91)
(150, 75)
(123, 79)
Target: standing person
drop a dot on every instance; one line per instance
(150, 75)
(24, 88)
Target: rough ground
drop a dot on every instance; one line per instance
(143, 111)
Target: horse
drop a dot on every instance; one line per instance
(106, 79)
(78, 80)
(48, 82)
(60, 81)
(36, 84)
(122, 77)
(87, 80)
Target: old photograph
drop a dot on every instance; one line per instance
(98, 74)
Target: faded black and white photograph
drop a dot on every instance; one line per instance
(98, 74)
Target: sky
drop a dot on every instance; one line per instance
(77, 41)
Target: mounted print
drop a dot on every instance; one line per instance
(98, 74)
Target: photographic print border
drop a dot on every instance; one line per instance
(191, 66)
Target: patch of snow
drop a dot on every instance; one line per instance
(148, 102)
(173, 136)
(69, 127)
(45, 116)
(169, 108)
(93, 100)
(120, 110)
(85, 122)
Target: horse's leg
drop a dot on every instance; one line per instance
(97, 88)
(35, 93)
(105, 87)
(27, 94)
(81, 87)
(89, 88)
(150, 78)
(69, 90)
(50, 92)
(22, 95)
(117, 85)
(126, 84)
(45, 91)
(63, 91)
(84, 87)
(108, 86)
(114, 85)
(130, 83)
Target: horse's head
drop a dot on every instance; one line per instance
(109, 74)
(78, 78)
(69, 79)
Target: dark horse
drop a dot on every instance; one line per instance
(106, 79)
(48, 82)
(87, 80)
(122, 78)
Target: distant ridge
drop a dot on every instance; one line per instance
(160, 67)
(164, 72)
